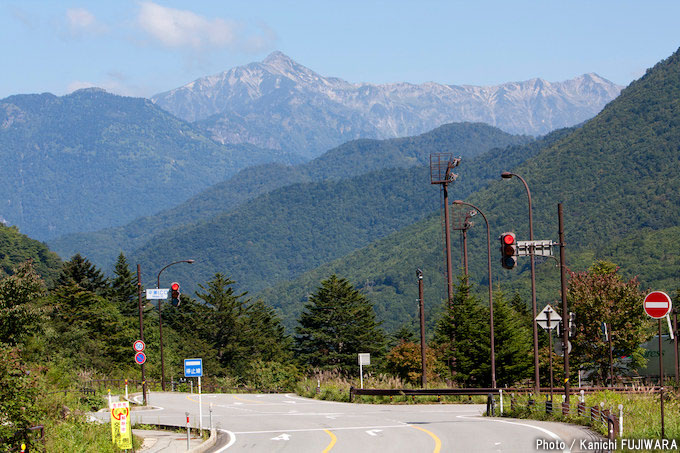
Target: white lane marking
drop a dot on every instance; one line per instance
(155, 408)
(373, 432)
(290, 402)
(283, 436)
(232, 438)
(548, 432)
(304, 430)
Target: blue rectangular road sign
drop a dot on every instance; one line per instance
(193, 367)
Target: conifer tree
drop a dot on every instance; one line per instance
(337, 323)
(513, 342)
(124, 287)
(466, 320)
(82, 272)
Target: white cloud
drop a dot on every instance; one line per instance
(80, 21)
(175, 28)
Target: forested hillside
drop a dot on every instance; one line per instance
(16, 248)
(617, 177)
(91, 160)
(355, 158)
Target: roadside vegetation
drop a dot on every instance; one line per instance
(68, 329)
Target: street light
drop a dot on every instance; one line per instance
(160, 319)
(537, 379)
(488, 251)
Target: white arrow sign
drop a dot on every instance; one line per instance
(373, 432)
(283, 436)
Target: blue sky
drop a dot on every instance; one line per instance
(141, 48)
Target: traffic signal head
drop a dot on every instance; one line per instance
(174, 293)
(508, 250)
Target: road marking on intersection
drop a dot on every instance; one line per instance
(333, 441)
(437, 441)
(283, 436)
(373, 432)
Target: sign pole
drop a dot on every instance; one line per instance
(675, 341)
(550, 354)
(200, 406)
(661, 379)
(361, 374)
(141, 327)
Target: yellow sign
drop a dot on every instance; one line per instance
(121, 429)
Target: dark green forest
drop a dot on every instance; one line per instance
(616, 176)
(355, 158)
(100, 160)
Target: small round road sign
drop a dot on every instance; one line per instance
(138, 346)
(140, 358)
(657, 304)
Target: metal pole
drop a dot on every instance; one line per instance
(160, 331)
(550, 355)
(361, 373)
(160, 320)
(491, 325)
(565, 310)
(421, 304)
(465, 253)
(611, 355)
(537, 379)
(141, 327)
(663, 433)
(447, 240)
(188, 429)
(675, 341)
(200, 406)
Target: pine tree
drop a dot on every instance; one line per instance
(124, 288)
(513, 342)
(467, 322)
(80, 271)
(337, 323)
(225, 319)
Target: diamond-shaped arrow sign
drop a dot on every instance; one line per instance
(548, 318)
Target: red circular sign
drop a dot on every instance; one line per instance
(140, 358)
(657, 304)
(138, 346)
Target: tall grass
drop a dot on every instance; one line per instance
(641, 412)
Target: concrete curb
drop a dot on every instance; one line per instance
(212, 440)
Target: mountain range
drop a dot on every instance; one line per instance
(616, 177)
(280, 104)
(353, 173)
(91, 160)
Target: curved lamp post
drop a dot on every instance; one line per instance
(488, 250)
(160, 320)
(537, 379)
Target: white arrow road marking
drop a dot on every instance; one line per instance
(290, 402)
(237, 404)
(332, 417)
(283, 436)
(373, 432)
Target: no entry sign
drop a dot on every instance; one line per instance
(657, 304)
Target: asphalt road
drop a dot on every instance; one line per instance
(288, 423)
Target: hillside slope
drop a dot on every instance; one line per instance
(617, 177)
(91, 160)
(351, 159)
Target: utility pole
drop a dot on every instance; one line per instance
(141, 326)
(565, 310)
(421, 304)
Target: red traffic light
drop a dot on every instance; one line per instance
(174, 286)
(508, 250)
